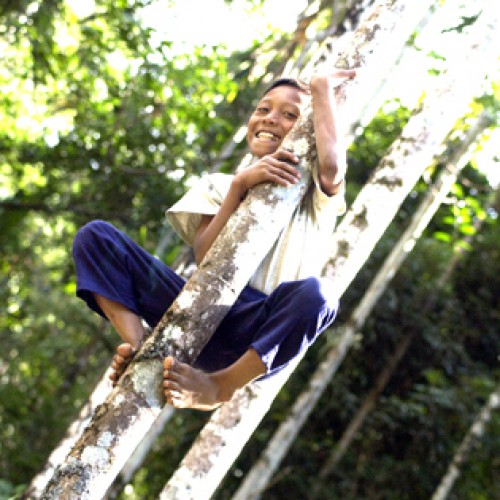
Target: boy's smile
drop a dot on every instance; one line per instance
(273, 118)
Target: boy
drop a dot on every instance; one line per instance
(283, 309)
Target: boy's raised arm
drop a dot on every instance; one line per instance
(329, 137)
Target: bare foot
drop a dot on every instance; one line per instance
(187, 387)
(124, 355)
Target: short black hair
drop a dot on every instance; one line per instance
(290, 82)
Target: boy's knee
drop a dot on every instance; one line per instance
(325, 300)
(320, 291)
(88, 233)
(310, 298)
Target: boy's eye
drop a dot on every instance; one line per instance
(291, 116)
(262, 109)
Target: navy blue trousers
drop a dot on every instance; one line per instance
(278, 326)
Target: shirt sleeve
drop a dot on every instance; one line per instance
(204, 198)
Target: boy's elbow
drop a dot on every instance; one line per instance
(331, 179)
(331, 189)
(199, 254)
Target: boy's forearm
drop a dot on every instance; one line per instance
(329, 139)
(211, 227)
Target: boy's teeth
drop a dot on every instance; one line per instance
(267, 135)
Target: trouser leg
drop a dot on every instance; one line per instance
(279, 327)
(299, 312)
(112, 265)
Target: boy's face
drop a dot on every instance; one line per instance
(273, 118)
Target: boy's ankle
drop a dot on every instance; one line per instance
(225, 389)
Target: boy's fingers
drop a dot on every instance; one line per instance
(285, 155)
(345, 73)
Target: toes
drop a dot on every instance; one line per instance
(125, 351)
(171, 385)
(171, 375)
(114, 377)
(117, 361)
(169, 363)
(172, 394)
(119, 364)
(122, 358)
(174, 399)
(174, 367)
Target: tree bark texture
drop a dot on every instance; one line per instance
(258, 477)
(445, 181)
(475, 433)
(138, 456)
(211, 455)
(407, 158)
(98, 396)
(348, 13)
(74, 431)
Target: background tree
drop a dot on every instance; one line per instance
(99, 120)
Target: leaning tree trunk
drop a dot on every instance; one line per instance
(74, 431)
(386, 374)
(210, 457)
(138, 456)
(122, 420)
(39, 482)
(345, 18)
(407, 157)
(476, 431)
(257, 479)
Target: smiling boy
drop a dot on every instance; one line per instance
(285, 306)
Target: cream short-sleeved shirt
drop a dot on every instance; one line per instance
(301, 249)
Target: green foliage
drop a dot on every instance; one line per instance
(99, 120)
(96, 122)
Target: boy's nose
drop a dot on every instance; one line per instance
(271, 117)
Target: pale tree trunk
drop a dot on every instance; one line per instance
(258, 477)
(138, 456)
(122, 420)
(386, 374)
(385, 87)
(406, 159)
(476, 431)
(75, 430)
(228, 430)
(345, 19)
